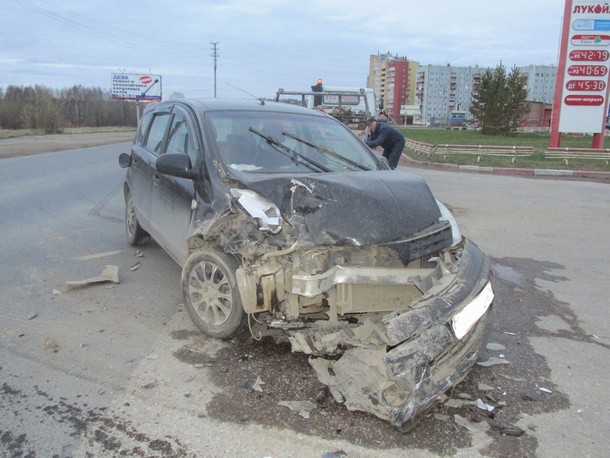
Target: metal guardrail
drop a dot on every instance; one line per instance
(577, 153)
(479, 150)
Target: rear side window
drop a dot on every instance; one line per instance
(154, 140)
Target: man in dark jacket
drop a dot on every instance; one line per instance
(384, 135)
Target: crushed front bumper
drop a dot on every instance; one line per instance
(428, 348)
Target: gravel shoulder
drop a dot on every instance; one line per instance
(36, 144)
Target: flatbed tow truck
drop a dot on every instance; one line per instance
(351, 106)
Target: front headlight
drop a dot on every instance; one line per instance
(446, 215)
(265, 213)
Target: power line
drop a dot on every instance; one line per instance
(99, 29)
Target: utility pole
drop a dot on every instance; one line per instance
(215, 55)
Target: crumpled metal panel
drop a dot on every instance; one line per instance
(351, 208)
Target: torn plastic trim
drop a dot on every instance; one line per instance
(266, 213)
(473, 275)
(398, 385)
(446, 215)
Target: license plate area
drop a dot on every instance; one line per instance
(463, 321)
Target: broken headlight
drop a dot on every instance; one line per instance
(446, 215)
(265, 213)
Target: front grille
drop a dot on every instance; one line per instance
(425, 243)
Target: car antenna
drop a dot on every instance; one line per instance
(251, 95)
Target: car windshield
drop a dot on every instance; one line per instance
(271, 142)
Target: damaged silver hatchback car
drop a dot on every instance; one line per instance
(286, 223)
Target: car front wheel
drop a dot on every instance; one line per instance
(211, 295)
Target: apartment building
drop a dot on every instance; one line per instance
(439, 94)
(444, 92)
(393, 79)
(540, 82)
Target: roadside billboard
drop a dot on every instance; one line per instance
(581, 93)
(141, 87)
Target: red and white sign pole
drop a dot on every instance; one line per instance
(582, 87)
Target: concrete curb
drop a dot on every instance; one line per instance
(511, 170)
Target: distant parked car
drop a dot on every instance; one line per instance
(285, 222)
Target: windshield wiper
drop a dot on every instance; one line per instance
(285, 150)
(326, 150)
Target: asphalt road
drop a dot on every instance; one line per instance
(111, 369)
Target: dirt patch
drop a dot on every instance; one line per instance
(36, 144)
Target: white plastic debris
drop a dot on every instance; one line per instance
(545, 390)
(110, 273)
(484, 406)
(493, 361)
(495, 346)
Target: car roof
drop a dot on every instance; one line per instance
(203, 105)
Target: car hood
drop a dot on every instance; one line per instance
(351, 208)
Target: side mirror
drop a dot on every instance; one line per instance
(125, 160)
(176, 165)
(384, 162)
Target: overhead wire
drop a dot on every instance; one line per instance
(90, 27)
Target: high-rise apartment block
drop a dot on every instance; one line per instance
(393, 79)
(540, 82)
(444, 92)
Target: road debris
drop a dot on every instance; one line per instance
(506, 428)
(484, 387)
(51, 345)
(493, 361)
(138, 254)
(110, 273)
(136, 266)
(470, 425)
(545, 390)
(257, 385)
(454, 403)
(483, 406)
(495, 346)
(96, 255)
(304, 408)
(149, 385)
(337, 454)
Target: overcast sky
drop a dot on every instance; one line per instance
(263, 44)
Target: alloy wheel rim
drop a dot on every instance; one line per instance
(210, 293)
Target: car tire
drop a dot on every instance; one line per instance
(136, 236)
(211, 295)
